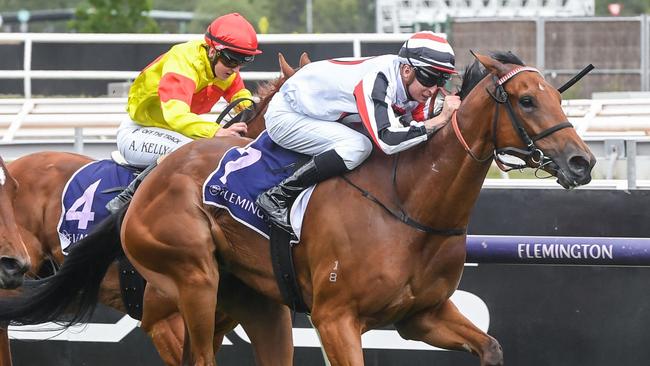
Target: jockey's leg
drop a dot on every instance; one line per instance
(143, 147)
(336, 149)
(445, 327)
(126, 195)
(276, 201)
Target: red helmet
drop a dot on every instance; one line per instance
(232, 32)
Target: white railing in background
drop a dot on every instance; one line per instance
(29, 39)
(616, 129)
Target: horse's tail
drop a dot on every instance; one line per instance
(69, 296)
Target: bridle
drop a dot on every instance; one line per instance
(532, 155)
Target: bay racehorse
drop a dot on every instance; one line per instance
(14, 258)
(361, 263)
(43, 177)
(358, 266)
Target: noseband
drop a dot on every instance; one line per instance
(531, 154)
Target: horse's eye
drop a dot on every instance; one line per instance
(526, 102)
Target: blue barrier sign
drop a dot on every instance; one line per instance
(558, 250)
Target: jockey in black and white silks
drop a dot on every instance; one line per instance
(302, 115)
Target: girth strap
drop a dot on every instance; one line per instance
(283, 268)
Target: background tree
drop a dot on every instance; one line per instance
(207, 10)
(14, 5)
(630, 7)
(344, 16)
(114, 16)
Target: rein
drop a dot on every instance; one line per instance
(229, 107)
(400, 214)
(532, 153)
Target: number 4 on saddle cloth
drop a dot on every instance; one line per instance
(86, 194)
(244, 173)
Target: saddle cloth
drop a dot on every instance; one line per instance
(245, 172)
(85, 196)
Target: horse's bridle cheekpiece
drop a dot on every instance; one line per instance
(532, 153)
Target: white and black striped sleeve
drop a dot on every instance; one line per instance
(374, 104)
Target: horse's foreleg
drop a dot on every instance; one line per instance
(198, 302)
(340, 334)
(223, 324)
(162, 322)
(267, 323)
(446, 327)
(5, 349)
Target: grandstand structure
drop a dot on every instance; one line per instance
(398, 16)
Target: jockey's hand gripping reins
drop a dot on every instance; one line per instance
(239, 116)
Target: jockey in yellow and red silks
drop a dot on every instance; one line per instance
(191, 77)
(167, 98)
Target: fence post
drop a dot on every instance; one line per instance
(79, 140)
(645, 53)
(27, 67)
(540, 37)
(630, 152)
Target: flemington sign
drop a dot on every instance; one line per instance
(568, 250)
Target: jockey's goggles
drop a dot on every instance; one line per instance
(429, 77)
(232, 59)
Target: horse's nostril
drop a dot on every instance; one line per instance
(578, 165)
(580, 168)
(13, 266)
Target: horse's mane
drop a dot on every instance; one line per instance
(265, 92)
(475, 72)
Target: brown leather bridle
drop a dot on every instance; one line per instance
(532, 155)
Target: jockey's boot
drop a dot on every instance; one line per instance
(276, 201)
(126, 195)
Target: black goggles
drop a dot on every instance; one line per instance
(430, 78)
(233, 59)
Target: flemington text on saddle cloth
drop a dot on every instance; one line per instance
(245, 172)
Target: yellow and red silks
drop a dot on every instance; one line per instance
(177, 87)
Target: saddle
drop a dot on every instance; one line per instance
(83, 202)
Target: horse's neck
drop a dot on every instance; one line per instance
(440, 182)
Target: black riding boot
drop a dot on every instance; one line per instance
(276, 201)
(126, 195)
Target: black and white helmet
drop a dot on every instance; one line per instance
(426, 49)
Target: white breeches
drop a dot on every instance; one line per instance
(298, 132)
(141, 146)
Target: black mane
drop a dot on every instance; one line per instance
(475, 72)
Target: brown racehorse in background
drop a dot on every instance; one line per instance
(358, 266)
(42, 178)
(14, 259)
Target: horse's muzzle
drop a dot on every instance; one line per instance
(12, 272)
(577, 170)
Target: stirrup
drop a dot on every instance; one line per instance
(119, 201)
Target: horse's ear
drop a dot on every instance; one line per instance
(492, 65)
(304, 59)
(285, 68)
